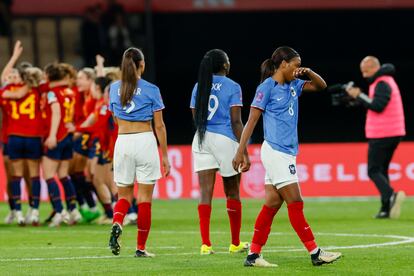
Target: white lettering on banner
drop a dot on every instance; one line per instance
(342, 176)
(395, 175)
(409, 171)
(303, 173)
(322, 172)
(174, 183)
(363, 172)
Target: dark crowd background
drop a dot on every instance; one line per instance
(331, 42)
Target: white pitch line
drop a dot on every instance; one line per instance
(402, 240)
(82, 247)
(186, 232)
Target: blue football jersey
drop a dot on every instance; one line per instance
(279, 103)
(146, 100)
(225, 93)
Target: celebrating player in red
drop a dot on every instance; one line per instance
(100, 126)
(25, 139)
(60, 100)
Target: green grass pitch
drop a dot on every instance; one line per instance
(369, 246)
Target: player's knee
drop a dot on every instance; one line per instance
(274, 203)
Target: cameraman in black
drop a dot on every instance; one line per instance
(384, 128)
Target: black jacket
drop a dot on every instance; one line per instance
(382, 93)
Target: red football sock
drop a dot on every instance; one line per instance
(120, 210)
(262, 228)
(234, 209)
(143, 223)
(302, 228)
(204, 214)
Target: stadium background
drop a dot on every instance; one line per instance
(331, 36)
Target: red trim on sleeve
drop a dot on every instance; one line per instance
(257, 107)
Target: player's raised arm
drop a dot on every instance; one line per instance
(316, 83)
(17, 52)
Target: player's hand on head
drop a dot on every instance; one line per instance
(301, 71)
(51, 142)
(166, 166)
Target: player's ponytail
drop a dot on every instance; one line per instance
(270, 65)
(129, 75)
(212, 63)
(267, 69)
(205, 80)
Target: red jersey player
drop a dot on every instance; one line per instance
(25, 139)
(83, 147)
(59, 110)
(98, 124)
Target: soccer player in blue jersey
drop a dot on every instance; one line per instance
(135, 103)
(216, 103)
(277, 99)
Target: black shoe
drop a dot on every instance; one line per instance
(144, 254)
(324, 257)
(258, 261)
(384, 212)
(49, 219)
(114, 239)
(382, 215)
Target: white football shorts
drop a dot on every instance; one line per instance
(216, 152)
(280, 167)
(136, 158)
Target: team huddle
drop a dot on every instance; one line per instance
(56, 121)
(73, 131)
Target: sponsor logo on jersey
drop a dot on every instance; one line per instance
(51, 97)
(259, 97)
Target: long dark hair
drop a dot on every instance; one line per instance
(212, 63)
(130, 63)
(102, 82)
(269, 66)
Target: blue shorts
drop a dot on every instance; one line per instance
(83, 146)
(5, 151)
(19, 147)
(63, 150)
(103, 158)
